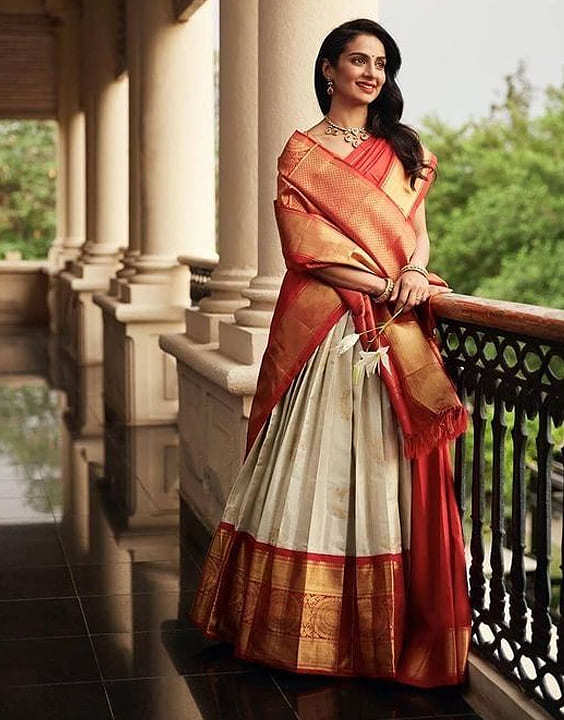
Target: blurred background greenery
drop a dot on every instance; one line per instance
(27, 186)
(496, 213)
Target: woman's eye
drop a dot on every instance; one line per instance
(380, 65)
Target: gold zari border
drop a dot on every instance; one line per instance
(308, 613)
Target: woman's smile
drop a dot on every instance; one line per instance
(366, 86)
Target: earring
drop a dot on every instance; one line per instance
(330, 88)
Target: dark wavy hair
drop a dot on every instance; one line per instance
(385, 111)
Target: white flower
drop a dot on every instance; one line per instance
(370, 361)
(346, 343)
(385, 360)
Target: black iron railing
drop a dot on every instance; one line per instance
(200, 273)
(507, 361)
(199, 277)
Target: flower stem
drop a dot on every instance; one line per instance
(382, 326)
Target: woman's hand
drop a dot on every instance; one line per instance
(379, 285)
(411, 289)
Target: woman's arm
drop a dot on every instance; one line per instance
(420, 255)
(364, 281)
(351, 279)
(412, 287)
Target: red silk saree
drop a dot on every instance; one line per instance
(393, 601)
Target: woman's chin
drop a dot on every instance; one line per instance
(354, 99)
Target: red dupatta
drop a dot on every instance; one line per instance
(358, 212)
(329, 212)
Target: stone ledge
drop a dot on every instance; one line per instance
(79, 284)
(24, 292)
(206, 360)
(138, 313)
(494, 697)
(23, 266)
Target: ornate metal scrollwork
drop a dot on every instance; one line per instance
(513, 382)
(199, 277)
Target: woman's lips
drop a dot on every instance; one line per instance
(366, 87)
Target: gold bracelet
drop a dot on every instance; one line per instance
(417, 268)
(385, 294)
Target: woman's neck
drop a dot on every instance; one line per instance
(348, 115)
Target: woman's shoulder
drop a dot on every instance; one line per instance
(295, 147)
(299, 135)
(316, 131)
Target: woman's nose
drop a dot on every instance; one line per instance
(371, 70)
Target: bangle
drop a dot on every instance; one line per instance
(417, 268)
(385, 294)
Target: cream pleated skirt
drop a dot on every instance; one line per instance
(327, 474)
(306, 569)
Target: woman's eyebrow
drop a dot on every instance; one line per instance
(379, 57)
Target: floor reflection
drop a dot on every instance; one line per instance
(95, 585)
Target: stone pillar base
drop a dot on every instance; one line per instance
(243, 344)
(203, 327)
(139, 379)
(83, 387)
(115, 286)
(79, 321)
(215, 402)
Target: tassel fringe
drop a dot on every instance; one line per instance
(447, 426)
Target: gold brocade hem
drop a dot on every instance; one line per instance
(316, 613)
(308, 613)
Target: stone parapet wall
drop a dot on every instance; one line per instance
(23, 293)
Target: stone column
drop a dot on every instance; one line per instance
(289, 38)
(134, 68)
(177, 150)
(215, 391)
(75, 165)
(55, 251)
(57, 9)
(176, 175)
(106, 104)
(217, 380)
(54, 256)
(238, 170)
(98, 261)
(71, 211)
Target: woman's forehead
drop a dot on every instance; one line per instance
(367, 44)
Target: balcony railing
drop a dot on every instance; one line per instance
(507, 361)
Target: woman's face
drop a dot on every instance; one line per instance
(360, 71)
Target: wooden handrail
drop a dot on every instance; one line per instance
(533, 320)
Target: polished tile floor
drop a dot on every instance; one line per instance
(93, 582)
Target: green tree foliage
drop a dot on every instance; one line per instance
(496, 214)
(27, 186)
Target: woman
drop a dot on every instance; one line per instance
(340, 549)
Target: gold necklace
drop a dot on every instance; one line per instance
(354, 135)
